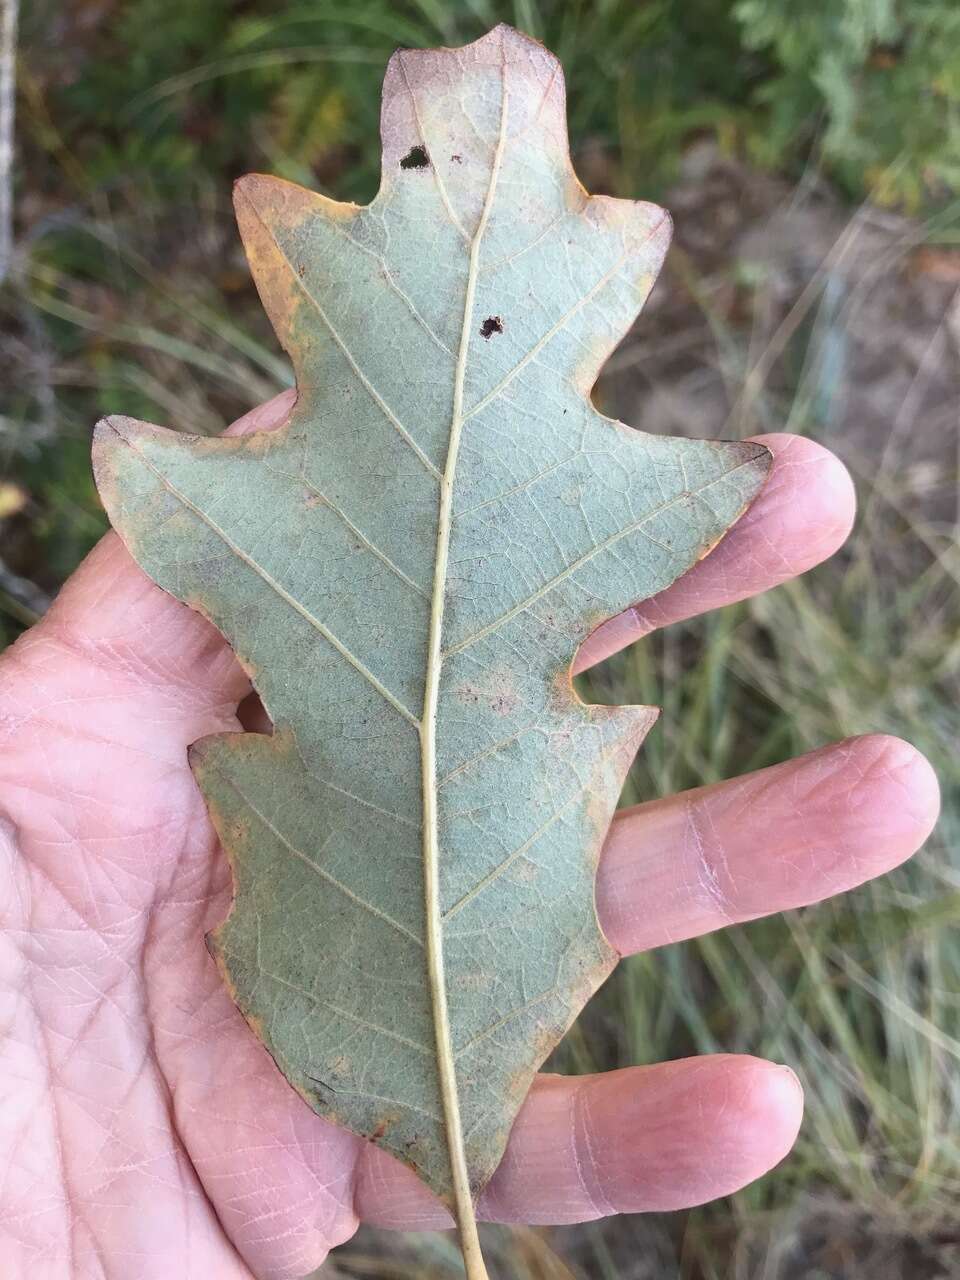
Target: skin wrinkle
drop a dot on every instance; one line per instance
(41, 868)
(211, 679)
(145, 675)
(151, 1051)
(132, 1084)
(710, 862)
(63, 1179)
(37, 930)
(585, 1158)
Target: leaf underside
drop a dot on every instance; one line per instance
(406, 570)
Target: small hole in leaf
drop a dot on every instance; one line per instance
(490, 326)
(416, 158)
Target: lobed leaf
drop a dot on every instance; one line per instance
(406, 569)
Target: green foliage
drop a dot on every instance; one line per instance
(167, 89)
(876, 83)
(160, 90)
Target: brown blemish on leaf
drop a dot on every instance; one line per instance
(384, 1127)
(561, 693)
(598, 811)
(255, 1024)
(270, 213)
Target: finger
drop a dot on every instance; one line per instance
(803, 514)
(784, 837)
(647, 1138)
(268, 416)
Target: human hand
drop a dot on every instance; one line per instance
(145, 1132)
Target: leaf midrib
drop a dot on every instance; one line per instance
(433, 922)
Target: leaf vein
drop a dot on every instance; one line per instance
(441, 188)
(509, 1017)
(547, 337)
(517, 488)
(274, 585)
(443, 1036)
(560, 324)
(531, 840)
(324, 875)
(370, 545)
(365, 382)
(585, 559)
(388, 276)
(492, 750)
(345, 1013)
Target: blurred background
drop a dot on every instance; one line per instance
(810, 155)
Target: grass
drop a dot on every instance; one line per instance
(130, 294)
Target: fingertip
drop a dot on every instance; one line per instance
(756, 1108)
(762, 1124)
(809, 502)
(898, 785)
(772, 1114)
(705, 1127)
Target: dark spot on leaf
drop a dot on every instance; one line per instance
(301, 270)
(416, 158)
(457, 159)
(490, 326)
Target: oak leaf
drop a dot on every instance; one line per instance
(406, 569)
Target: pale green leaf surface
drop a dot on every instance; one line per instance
(315, 550)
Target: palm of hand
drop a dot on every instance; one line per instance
(144, 1131)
